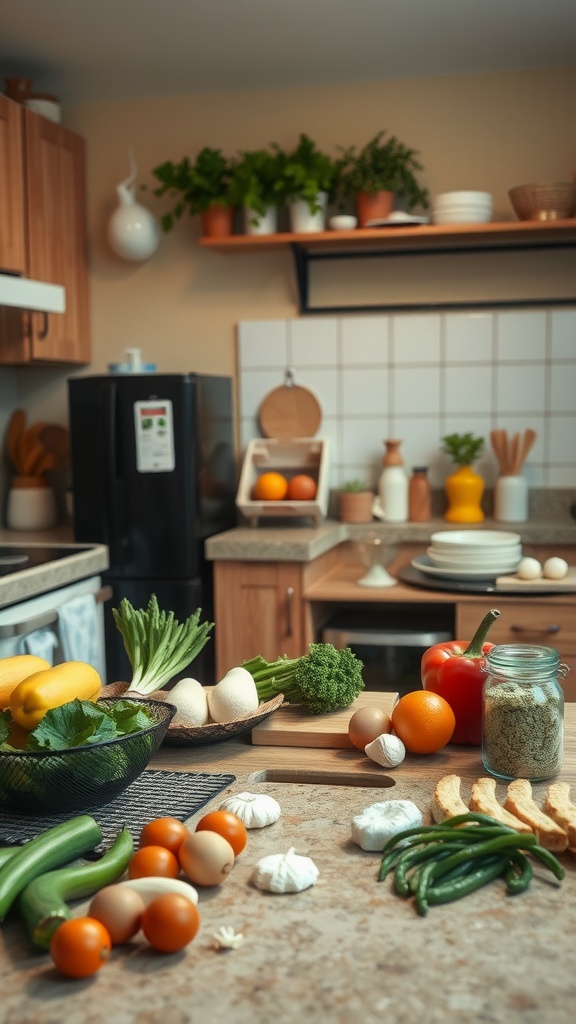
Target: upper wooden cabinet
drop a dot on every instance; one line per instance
(48, 203)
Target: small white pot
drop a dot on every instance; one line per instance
(31, 508)
(302, 221)
(511, 499)
(256, 224)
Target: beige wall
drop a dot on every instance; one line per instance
(484, 132)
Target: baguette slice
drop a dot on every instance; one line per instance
(559, 806)
(548, 832)
(446, 801)
(483, 799)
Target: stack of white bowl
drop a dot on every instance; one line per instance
(491, 552)
(462, 208)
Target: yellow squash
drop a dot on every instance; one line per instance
(52, 687)
(13, 670)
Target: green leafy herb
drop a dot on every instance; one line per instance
(80, 723)
(157, 645)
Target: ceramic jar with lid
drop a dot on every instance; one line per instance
(523, 712)
(393, 484)
(419, 499)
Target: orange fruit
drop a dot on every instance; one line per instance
(424, 721)
(270, 487)
(301, 488)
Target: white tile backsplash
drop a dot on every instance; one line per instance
(419, 377)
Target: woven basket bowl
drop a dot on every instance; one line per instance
(544, 202)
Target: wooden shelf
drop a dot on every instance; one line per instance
(525, 234)
(417, 240)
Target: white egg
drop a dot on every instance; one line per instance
(529, 569)
(555, 568)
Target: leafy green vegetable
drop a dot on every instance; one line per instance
(82, 723)
(157, 645)
(326, 679)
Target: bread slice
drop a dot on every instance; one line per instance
(483, 799)
(548, 832)
(559, 806)
(446, 800)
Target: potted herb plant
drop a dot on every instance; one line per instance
(377, 173)
(355, 501)
(203, 187)
(306, 183)
(255, 187)
(464, 487)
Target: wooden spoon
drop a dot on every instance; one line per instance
(498, 439)
(514, 456)
(526, 444)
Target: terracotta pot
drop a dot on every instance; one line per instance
(373, 206)
(355, 506)
(217, 221)
(464, 490)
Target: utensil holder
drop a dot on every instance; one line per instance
(31, 505)
(511, 499)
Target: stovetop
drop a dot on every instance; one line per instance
(16, 558)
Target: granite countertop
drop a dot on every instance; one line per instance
(344, 951)
(302, 543)
(79, 562)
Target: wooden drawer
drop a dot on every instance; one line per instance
(541, 623)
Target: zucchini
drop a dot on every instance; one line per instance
(51, 849)
(43, 902)
(6, 852)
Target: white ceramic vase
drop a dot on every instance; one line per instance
(511, 499)
(133, 231)
(260, 224)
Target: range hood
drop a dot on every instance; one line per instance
(38, 296)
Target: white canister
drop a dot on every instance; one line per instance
(261, 224)
(302, 220)
(511, 499)
(31, 508)
(393, 491)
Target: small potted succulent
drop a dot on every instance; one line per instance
(464, 487)
(203, 187)
(377, 173)
(355, 500)
(306, 183)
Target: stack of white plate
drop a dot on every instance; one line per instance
(471, 553)
(462, 208)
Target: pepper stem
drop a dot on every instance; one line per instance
(474, 649)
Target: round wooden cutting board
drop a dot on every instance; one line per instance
(290, 411)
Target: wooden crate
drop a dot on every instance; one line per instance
(289, 457)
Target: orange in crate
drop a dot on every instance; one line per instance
(270, 487)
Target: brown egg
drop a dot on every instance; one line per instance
(366, 724)
(119, 909)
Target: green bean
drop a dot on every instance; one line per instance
(471, 882)
(500, 845)
(549, 860)
(432, 834)
(409, 860)
(518, 881)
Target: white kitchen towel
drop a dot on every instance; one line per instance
(79, 634)
(41, 643)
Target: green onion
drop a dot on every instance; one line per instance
(157, 645)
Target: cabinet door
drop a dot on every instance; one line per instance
(257, 610)
(12, 218)
(55, 195)
(531, 621)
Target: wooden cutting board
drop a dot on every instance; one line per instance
(292, 726)
(290, 411)
(540, 585)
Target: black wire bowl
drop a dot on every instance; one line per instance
(62, 781)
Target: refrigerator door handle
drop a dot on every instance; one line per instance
(25, 626)
(109, 444)
(289, 604)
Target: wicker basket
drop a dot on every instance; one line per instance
(555, 201)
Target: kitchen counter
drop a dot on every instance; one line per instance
(345, 951)
(80, 562)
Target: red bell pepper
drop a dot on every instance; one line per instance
(457, 670)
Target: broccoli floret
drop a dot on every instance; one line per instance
(326, 679)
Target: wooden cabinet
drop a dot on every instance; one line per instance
(50, 201)
(12, 220)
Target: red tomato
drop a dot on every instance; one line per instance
(301, 488)
(155, 861)
(227, 825)
(167, 832)
(80, 946)
(170, 922)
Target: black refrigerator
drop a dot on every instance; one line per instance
(153, 476)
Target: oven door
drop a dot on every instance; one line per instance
(391, 643)
(36, 626)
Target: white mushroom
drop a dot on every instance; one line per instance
(387, 750)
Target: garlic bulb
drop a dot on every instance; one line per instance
(285, 872)
(387, 750)
(256, 810)
(372, 829)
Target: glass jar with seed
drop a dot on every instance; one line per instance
(523, 712)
